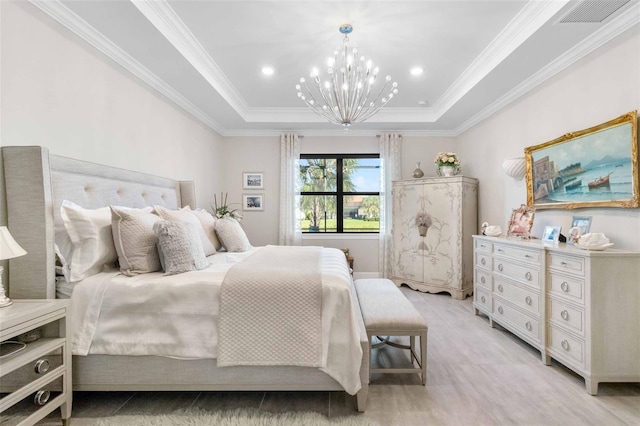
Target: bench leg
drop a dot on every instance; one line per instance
(412, 344)
(423, 357)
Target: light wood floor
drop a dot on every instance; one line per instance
(476, 376)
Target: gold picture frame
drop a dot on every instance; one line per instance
(521, 222)
(595, 167)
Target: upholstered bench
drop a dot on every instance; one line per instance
(387, 312)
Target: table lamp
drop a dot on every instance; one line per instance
(8, 250)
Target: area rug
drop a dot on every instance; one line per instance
(239, 417)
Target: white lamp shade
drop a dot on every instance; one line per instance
(8, 246)
(515, 167)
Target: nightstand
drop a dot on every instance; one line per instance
(36, 380)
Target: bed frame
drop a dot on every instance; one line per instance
(36, 184)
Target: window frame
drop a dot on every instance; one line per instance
(339, 193)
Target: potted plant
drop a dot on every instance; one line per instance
(423, 222)
(223, 209)
(313, 221)
(448, 163)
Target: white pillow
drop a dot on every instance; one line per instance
(135, 240)
(231, 235)
(186, 215)
(208, 223)
(179, 246)
(91, 237)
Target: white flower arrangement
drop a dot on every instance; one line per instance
(447, 159)
(223, 210)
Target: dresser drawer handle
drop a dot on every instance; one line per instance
(564, 286)
(500, 267)
(528, 276)
(500, 250)
(41, 366)
(41, 397)
(483, 261)
(500, 288)
(483, 299)
(483, 246)
(482, 280)
(528, 325)
(500, 309)
(528, 256)
(565, 345)
(528, 300)
(564, 263)
(565, 315)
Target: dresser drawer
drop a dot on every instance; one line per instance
(528, 275)
(570, 264)
(482, 299)
(524, 298)
(482, 245)
(483, 260)
(567, 316)
(566, 347)
(570, 288)
(483, 278)
(517, 253)
(523, 323)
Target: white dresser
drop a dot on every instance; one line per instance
(579, 307)
(442, 261)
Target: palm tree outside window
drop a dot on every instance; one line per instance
(340, 193)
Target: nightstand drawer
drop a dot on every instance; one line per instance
(570, 264)
(524, 274)
(483, 279)
(18, 405)
(567, 287)
(567, 316)
(531, 256)
(524, 298)
(33, 365)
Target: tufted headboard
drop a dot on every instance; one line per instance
(37, 183)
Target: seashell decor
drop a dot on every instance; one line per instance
(515, 167)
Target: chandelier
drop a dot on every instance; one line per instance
(347, 96)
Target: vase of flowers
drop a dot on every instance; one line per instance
(423, 222)
(223, 209)
(448, 163)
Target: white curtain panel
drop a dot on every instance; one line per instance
(390, 156)
(290, 232)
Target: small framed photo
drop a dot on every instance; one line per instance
(252, 202)
(253, 180)
(551, 235)
(521, 222)
(582, 222)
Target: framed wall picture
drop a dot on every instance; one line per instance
(551, 235)
(521, 222)
(595, 167)
(253, 180)
(253, 202)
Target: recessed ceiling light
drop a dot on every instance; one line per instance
(267, 70)
(423, 103)
(416, 71)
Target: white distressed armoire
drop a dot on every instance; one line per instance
(441, 261)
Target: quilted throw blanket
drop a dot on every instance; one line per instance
(271, 309)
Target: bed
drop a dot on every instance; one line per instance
(36, 184)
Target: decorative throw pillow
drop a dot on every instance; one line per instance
(208, 223)
(231, 235)
(186, 215)
(91, 238)
(179, 246)
(135, 240)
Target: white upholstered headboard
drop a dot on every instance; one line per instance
(37, 183)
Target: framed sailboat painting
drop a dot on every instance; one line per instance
(595, 167)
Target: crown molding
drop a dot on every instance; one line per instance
(168, 23)
(616, 27)
(339, 133)
(532, 16)
(80, 27)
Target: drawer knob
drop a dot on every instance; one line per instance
(528, 300)
(528, 276)
(564, 286)
(500, 288)
(41, 397)
(41, 366)
(483, 261)
(563, 263)
(565, 345)
(565, 315)
(483, 299)
(528, 325)
(500, 267)
(482, 280)
(500, 309)
(483, 246)
(500, 250)
(527, 256)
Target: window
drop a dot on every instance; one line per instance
(340, 193)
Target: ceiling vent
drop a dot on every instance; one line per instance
(591, 11)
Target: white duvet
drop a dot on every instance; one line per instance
(177, 316)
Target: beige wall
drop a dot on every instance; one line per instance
(600, 87)
(59, 92)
